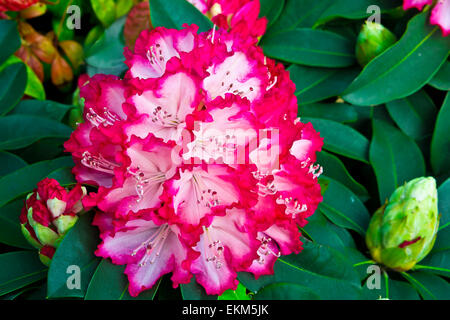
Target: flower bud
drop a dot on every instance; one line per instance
(49, 213)
(372, 41)
(402, 232)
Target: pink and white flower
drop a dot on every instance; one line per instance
(201, 164)
(440, 14)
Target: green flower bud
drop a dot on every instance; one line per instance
(372, 41)
(402, 232)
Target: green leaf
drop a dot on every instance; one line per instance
(24, 180)
(341, 139)
(9, 162)
(239, 294)
(344, 208)
(175, 13)
(194, 291)
(64, 176)
(398, 290)
(105, 10)
(13, 80)
(441, 80)
(339, 112)
(286, 291)
(414, 114)
(9, 39)
(389, 77)
(440, 144)
(429, 286)
(444, 204)
(310, 47)
(110, 283)
(442, 240)
(290, 18)
(10, 230)
(271, 9)
(47, 109)
(326, 233)
(19, 269)
(315, 84)
(335, 169)
(351, 9)
(106, 54)
(395, 158)
(34, 87)
(323, 270)
(76, 249)
(20, 130)
(437, 263)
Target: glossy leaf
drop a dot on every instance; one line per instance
(344, 208)
(239, 294)
(395, 158)
(175, 13)
(9, 38)
(429, 286)
(444, 204)
(9, 162)
(13, 80)
(194, 291)
(389, 76)
(286, 291)
(310, 47)
(271, 9)
(47, 109)
(440, 144)
(341, 139)
(315, 84)
(441, 80)
(10, 231)
(76, 249)
(19, 131)
(24, 180)
(110, 283)
(415, 114)
(340, 112)
(335, 169)
(19, 269)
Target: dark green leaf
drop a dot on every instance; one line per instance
(64, 176)
(341, 139)
(24, 180)
(440, 144)
(110, 283)
(395, 158)
(13, 80)
(315, 84)
(351, 9)
(444, 203)
(175, 13)
(21, 130)
(339, 112)
(286, 291)
(441, 80)
(10, 231)
(194, 291)
(9, 162)
(389, 76)
(429, 286)
(9, 38)
(47, 109)
(19, 269)
(310, 47)
(335, 169)
(415, 114)
(271, 9)
(344, 208)
(76, 249)
(437, 262)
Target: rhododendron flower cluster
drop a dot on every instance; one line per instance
(237, 16)
(202, 166)
(49, 212)
(440, 15)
